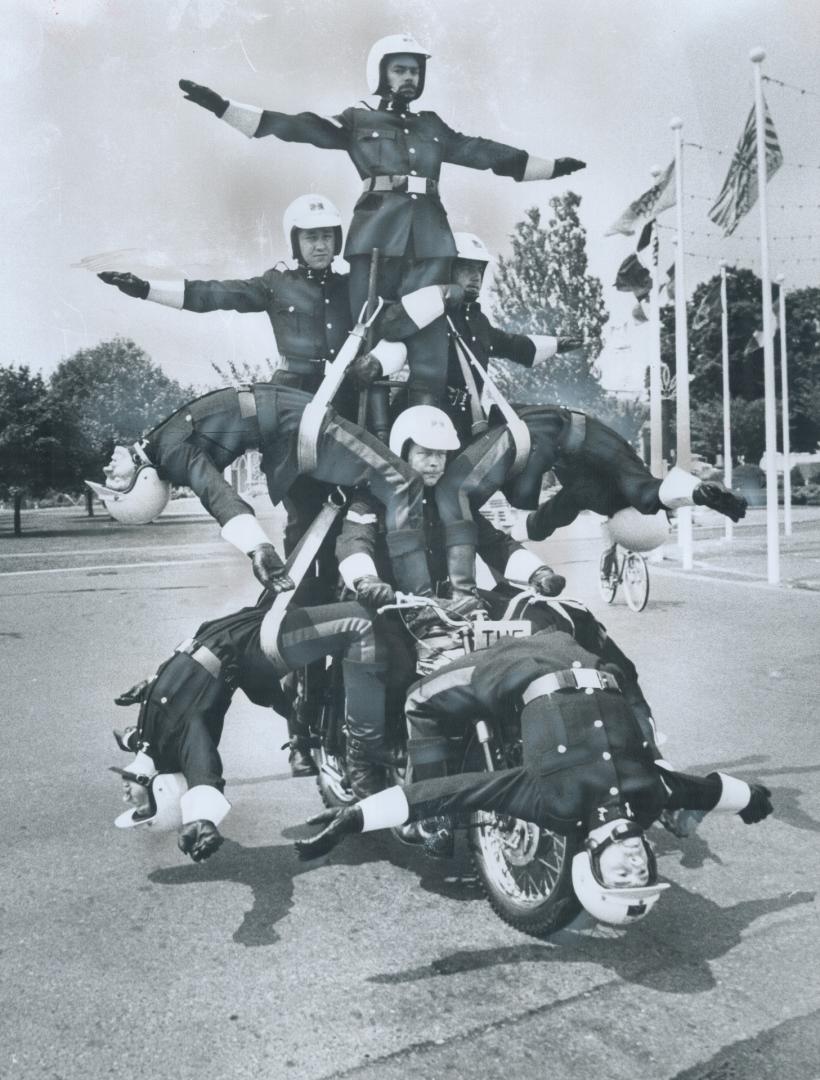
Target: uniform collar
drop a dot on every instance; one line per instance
(387, 104)
(320, 276)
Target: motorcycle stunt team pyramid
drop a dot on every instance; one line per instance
(416, 468)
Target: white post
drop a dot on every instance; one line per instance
(727, 398)
(655, 406)
(684, 451)
(784, 398)
(772, 537)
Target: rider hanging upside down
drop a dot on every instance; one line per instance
(194, 445)
(176, 775)
(601, 470)
(591, 770)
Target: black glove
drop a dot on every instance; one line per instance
(348, 819)
(545, 581)
(537, 524)
(716, 496)
(199, 839)
(569, 344)
(566, 165)
(270, 570)
(135, 695)
(129, 284)
(365, 369)
(759, 806)
(372, 592)
(204, 96)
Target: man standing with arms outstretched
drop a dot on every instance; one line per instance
(398, 154)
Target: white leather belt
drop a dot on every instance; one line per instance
(571, 679)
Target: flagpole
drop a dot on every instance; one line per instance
(727, 400)
(757, 56)
(784, 398)
(655, 409)
(683, 457)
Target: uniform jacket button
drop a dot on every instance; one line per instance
(606, 755)
(613, 791)
(598, 723)
(562, 749)
(576, 663)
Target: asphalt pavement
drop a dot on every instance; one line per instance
(121, 957)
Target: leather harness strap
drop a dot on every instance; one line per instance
(518, 429)
(202, 654)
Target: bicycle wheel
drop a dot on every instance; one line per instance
(636, 581)
(608, 576)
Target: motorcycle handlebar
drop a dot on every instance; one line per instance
(410, 602)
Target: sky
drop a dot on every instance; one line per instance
(107, 166)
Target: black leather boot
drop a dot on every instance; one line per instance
(300, 760)
(338, 823)
(716, 496)
(365, 777)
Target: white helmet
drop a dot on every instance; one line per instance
(636, 531)
(426, 426)
(613, 905)
(142, 501)
(470, 246)
(311, 212)
(164, 792)
(390, 46)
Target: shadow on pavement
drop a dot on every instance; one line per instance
(663, 955)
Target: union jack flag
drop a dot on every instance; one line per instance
(739, 192)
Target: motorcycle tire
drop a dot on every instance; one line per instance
(332, 779)
(525, 872)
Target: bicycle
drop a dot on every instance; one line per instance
(620, 566)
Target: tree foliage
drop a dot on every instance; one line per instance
(544, 288)
(114, 393)
(36, 436)
(744, 319)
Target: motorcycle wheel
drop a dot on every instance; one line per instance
(525, 871)
(636, 581)
(332, 779)
(608, 583)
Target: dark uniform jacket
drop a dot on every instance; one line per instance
(585, 453)
(194, 445)
(485, 341)
(383, 142)
(183, 713)
(309, 310)
(363, 532)
(586, 751)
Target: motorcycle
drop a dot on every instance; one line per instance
(524, 869)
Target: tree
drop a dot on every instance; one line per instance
(747, 419)
(743, 289)
(114, 393)
(36, 439)
(544, 288)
